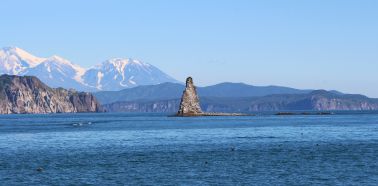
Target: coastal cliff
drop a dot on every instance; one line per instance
(27, 94)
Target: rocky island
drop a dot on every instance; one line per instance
(27, 94)
(190, 105)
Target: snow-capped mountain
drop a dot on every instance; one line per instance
(113, 74)
(14, 60)
(58, 72)
(124, 73)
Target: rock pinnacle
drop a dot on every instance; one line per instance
(189, 105)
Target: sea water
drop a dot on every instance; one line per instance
(154, 149)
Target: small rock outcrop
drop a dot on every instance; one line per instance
(27, 94)
(190, 105)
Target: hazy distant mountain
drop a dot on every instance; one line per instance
(113, 74)
(117, 74)
(319, 100)
(166, 91)
(147, 92)
(244, 90)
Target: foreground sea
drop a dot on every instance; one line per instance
(154, 149)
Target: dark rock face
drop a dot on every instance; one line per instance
(189, 102)
(27, 94)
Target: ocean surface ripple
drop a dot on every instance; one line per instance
(153, 149)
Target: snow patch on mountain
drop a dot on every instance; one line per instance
(100, 75)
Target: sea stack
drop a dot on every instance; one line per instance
(190, 105)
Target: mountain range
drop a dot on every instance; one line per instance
(55, 71)
(232, 97)
(165, 91)
(317, 100)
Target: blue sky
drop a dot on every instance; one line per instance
(322, 44)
